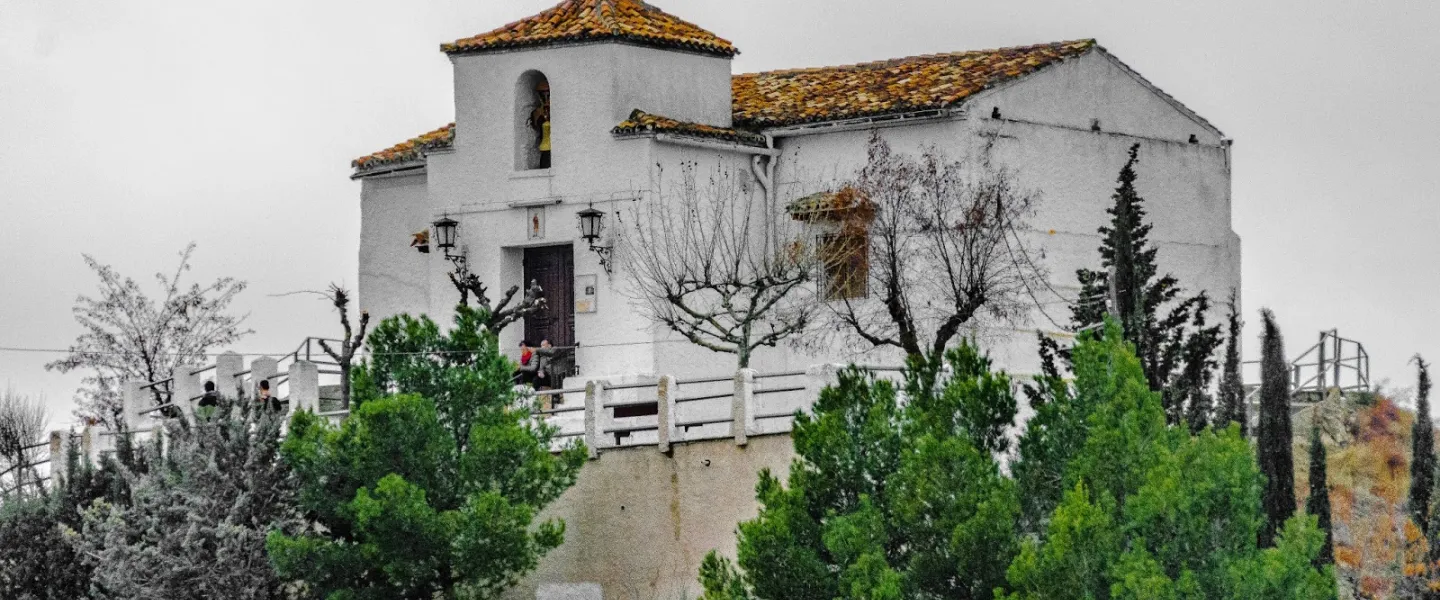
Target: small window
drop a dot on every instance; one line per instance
(845, 260)
(532, 122)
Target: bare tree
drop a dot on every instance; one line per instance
(942, 248)
(723, 267)
(503, 314)
(22, 423)
(130, 336)
(350, 343)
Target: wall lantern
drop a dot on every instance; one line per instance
(592, 224)
(445, 230)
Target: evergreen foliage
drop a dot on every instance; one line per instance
(431, 487)
(1175, 348)
(889, 501)
(885, 500)
(1275, 440)
(196, 506)
(1318, 502)
(1422, 446)
(1231, 407)
(37, 562)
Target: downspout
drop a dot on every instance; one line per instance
(765, 175)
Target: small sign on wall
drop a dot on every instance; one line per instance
(585, 293)
(535, 223)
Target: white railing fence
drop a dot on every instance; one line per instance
(606, 412)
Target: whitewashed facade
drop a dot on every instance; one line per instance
(1064, 128)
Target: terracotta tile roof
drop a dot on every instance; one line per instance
(589, 20)
(641, 122)
(780, 98)
(412, 149)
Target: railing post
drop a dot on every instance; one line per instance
(595, 416)
(817, 378)
(304, 380)
(665, 392)
(186, 387)
(742, 407)
(59, 454)
(133, 396)
(226, 366)
(262, 369)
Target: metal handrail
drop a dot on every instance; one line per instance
(710, 421)
(778, 390)
(155, 383)
(556, 411)
(780, 374)
(709, 397)
(128, 432)
(631, 386)
(558, 392)
(631, 428)
(151, 410)
(203, 369)
(705, 380)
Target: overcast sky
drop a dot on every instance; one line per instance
(128, 129)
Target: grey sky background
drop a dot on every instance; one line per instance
(128, 129)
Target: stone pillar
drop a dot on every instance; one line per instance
(186, 391)
(134, 398)
(262, 369)
(742, 407)
(596, 416)
(226, 366)
(59, 454)
(304, 380)
(666, 391)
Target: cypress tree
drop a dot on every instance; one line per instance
(1198, 367)
(1162, 341)
(1422, 445)
(1232, 391)
(1274, 447)
(1318, 504)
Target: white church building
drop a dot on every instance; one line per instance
(633, 90)
(585, 105)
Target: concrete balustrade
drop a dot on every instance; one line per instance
(304, 382)
(187, 389)
(227, 373)
(666, 391)
(704, 410)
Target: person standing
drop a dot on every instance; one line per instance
(265, 399)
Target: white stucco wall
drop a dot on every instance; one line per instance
(394, 277)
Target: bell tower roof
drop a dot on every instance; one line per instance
(576, 21)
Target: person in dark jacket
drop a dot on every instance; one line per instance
(210, 398)
(265, 399)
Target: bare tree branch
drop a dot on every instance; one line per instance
(719, 264)
(22, 423)
(943, 250)
(350, 344)
(501, 315)
(130, 336)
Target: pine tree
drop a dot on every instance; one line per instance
(1232, 391)
(1274, 449)
(1163, 342)
(1422, 440)
(1318, 504)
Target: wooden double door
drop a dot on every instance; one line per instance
(554, 268)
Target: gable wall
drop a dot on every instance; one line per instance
(1093, 86)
